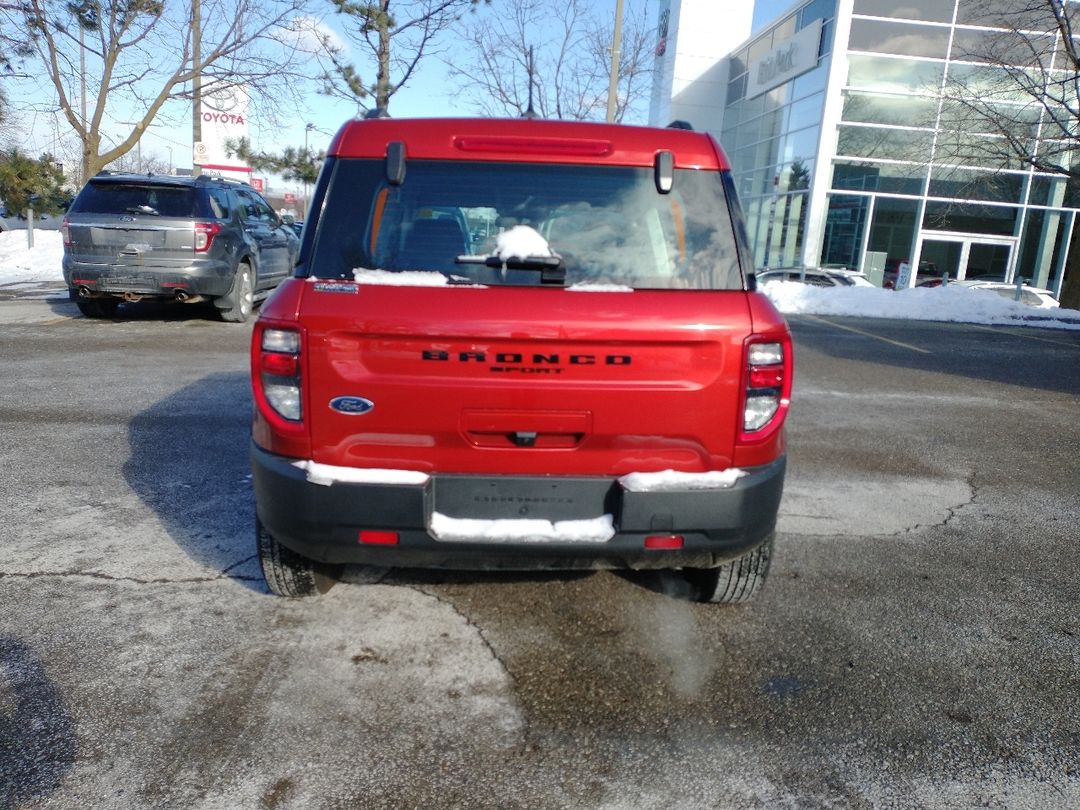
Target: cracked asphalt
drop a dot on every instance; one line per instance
(917, 645)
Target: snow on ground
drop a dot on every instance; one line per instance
(42, 263)
(20, 264)
(950, 303)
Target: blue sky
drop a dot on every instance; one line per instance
(427, 94)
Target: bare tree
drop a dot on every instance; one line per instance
(1017, 103)
(396, 40)
(569, 73)
(134, 56)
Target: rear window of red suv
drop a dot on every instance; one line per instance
(608, 225)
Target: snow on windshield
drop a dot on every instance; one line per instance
(521, 241)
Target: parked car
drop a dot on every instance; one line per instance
(832, 277)
(598, 388)
(1032, 296)
(128, 237)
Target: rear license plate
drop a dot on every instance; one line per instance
(520, 497)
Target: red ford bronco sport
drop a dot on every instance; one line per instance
(520, 344)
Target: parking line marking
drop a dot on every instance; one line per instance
(1026, 336)
(868, 334)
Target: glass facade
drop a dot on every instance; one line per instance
(915, 145)
(773, 138)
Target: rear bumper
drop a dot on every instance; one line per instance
(323, 521)
(208, 277)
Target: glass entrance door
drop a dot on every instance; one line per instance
(963, 257)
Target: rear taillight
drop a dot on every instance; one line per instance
(65, 230)
(768, 385)
(279, 372)
(204, 235)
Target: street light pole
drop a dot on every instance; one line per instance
(616, 45)
(307, 128)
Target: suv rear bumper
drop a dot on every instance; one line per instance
(323, 521)
(208, 277)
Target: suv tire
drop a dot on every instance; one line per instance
(240, 300)
(288, 573)
(732, 582)
(98, 307)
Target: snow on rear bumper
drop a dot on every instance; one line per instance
(519, 522)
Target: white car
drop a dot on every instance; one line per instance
(825, 277)
(1032, 296)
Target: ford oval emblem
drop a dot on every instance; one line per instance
(353, 406)
(126, 219)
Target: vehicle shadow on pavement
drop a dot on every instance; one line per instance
(189, 463)
(148, 310)
(37, 732)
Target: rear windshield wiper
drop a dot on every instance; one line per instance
(552, 268)
(142, 209)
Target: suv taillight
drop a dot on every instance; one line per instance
(768, 386)
(204, 235)
(65, 230)
(279, 372)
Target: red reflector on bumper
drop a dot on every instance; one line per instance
(664, 541)
(374, 538)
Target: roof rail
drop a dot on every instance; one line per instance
(679, 124)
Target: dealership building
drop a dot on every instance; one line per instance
(832, 115)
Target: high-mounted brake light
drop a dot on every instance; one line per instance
(204, 235)
(279, 372)
(768, 385)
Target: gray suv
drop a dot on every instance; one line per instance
(128, 237)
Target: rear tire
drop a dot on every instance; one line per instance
(735, 581)
(98, 307)
(288, 573)
(240, 299)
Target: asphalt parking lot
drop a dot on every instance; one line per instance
(917, 645)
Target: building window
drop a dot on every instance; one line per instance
(873, 108)
(929, 10)
(902, 39)
(892, 231)
(844, 224)
(996, 220)
(890, 74)
(968, 184)
(1041, 250)
(884, 144)
(892, 178)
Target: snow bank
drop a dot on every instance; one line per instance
(42, 262)
(949, 303)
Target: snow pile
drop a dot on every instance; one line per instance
(949, 303)
(42, 262)
(672, 481)
(464, 530)
(327, 474)
(521, 241)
